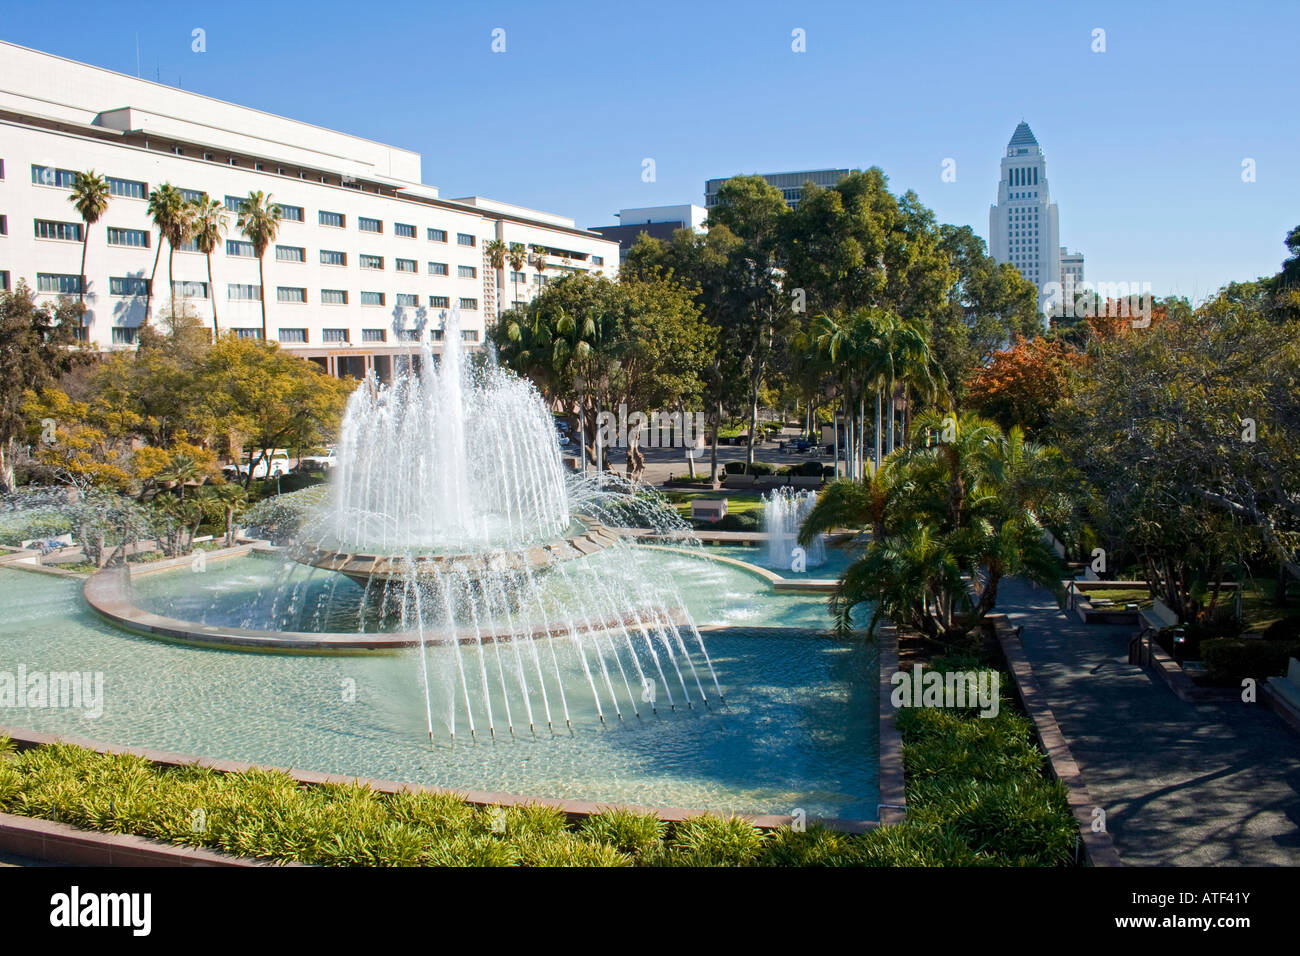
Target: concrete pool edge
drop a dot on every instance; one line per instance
(574, 810)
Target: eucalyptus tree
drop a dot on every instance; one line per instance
(90, 195)
(259, 221)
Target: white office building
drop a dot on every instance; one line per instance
(1023, 228)
(366, 259)
(1071, 273)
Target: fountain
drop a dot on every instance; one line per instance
(784, 510)
(451, 507)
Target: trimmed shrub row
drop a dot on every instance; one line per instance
(1230, 659)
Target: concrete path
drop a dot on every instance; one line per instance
(1181, 784)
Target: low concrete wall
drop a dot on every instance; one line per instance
(61, 843)
(1099, 847)
(891, 782)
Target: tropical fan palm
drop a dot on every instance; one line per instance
(209, 228)
(167, 209)
(90, 195)
(259, 221)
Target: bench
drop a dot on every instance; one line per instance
(1288, 687)
(709, 509)
(1159, 615)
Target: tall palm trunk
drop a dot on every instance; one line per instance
(261, 290)
(85, 239)
(212, 291)
(153, 277)
(171, 278)
(878, 426)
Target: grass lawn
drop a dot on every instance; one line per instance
(736, 503)
(1138, 596)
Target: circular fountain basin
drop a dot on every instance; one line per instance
(589, 537)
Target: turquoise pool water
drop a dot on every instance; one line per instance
(837, 559)
(798, 729)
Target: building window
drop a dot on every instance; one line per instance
(4, 225)
(192, 195)
(234, 202)
(466, 272)
(469, 304)
(293, 335)
(408, 299)
(464, 238)
(404, 230)
(128, 285)
(237, 247)
(334, 336)
(334, 296)
(4, 279)
(243, 292)
(405, 265)
(372, 298)
(439, 302)
(139, 238)
(186, 289)
(290, 254)
(247, 333)
(336, 219)
(437, 268)
(48, 229)
(330, 257)
(437, 334)
(290, 213)
(50, 176)
(597, 260)
(127, 188)
(437, 235)
(122, 336)
(374, 335)
(519, 304)
(469, 335)
(518, 277)
(290, 294)
(189, 245)
(408, 335)
(56, 283)
(366, 224)
(371, 262)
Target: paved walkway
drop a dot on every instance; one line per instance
(1182, 784)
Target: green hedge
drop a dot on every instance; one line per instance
(1230, 659)
(976, 789)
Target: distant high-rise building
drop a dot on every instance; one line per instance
(790, 184)
(1023, 226)
(658, 222)
(1071, 273)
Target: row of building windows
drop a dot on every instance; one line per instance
(133, 189)
(126, 335)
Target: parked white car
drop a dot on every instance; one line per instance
(318, 462)
(277, 464)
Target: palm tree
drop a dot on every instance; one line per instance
(539, 263)
(209, 228)
(496, 256)
(259, 221)
(181, 470)
(90, 196)
(518, 258)
(233, 500)
(166, 207)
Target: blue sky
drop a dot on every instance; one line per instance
(1144, 142)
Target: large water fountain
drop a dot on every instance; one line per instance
(451, 506)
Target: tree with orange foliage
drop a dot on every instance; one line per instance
(1021, 385)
